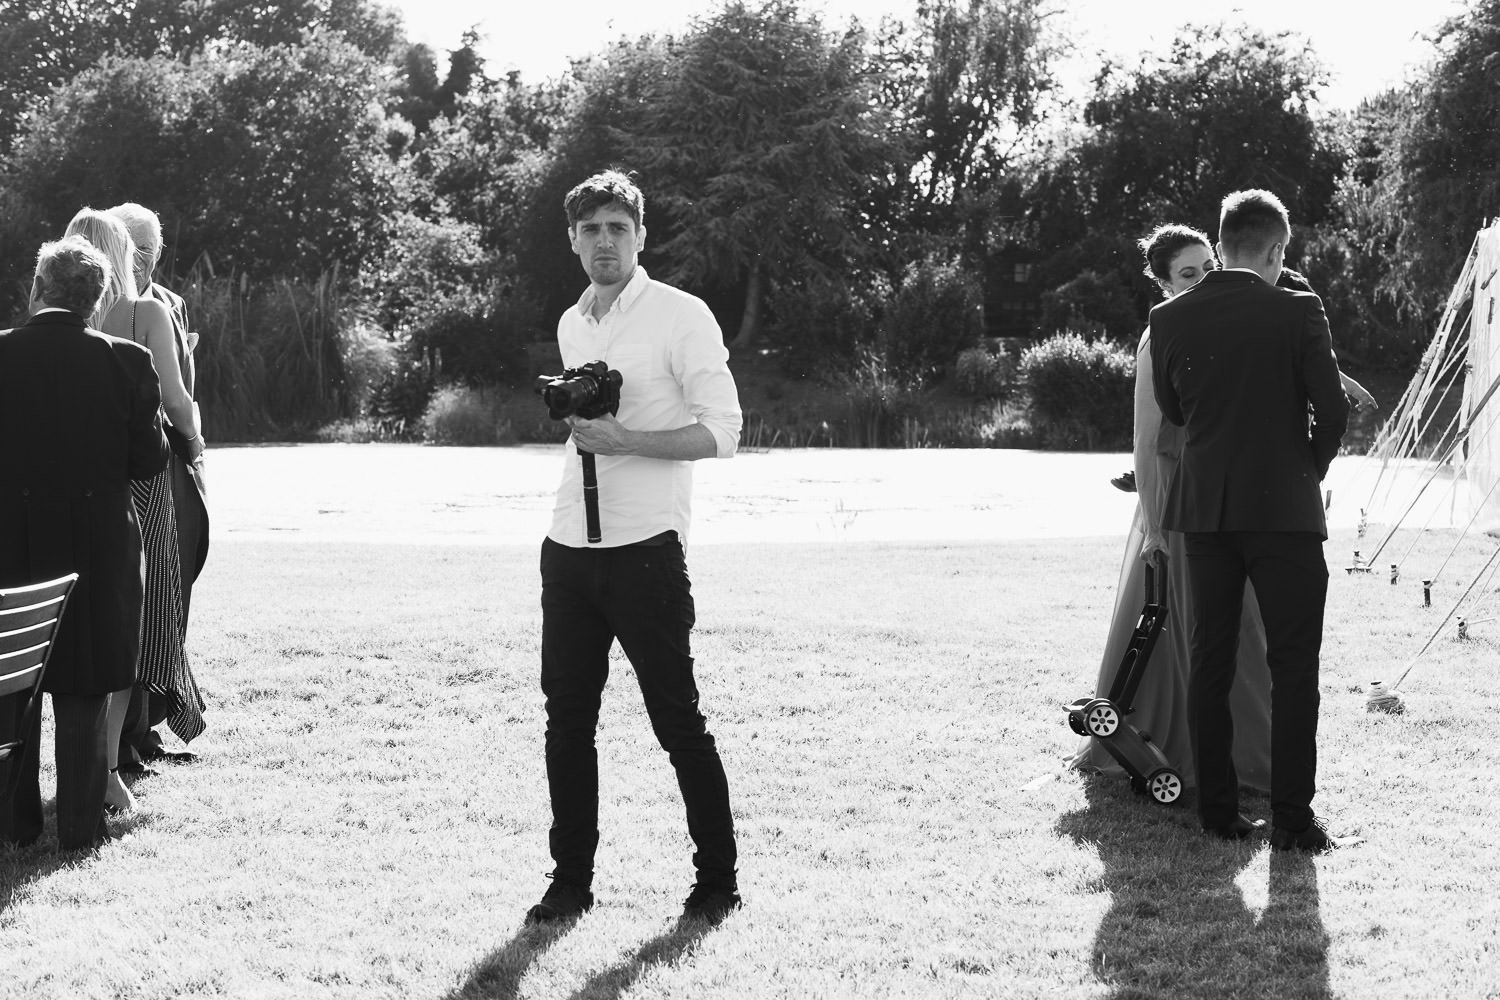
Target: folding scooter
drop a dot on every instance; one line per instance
(1105, 719)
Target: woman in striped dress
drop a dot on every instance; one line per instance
(163, 666)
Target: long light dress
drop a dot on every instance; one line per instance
(1161, 701)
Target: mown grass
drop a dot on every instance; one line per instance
(368, 818)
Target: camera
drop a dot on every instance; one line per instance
(590, 391)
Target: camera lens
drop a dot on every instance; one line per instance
(572, 395)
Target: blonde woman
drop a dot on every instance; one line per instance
(141, 743)
(164, 668)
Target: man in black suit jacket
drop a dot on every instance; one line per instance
(1239, 363)
(79, 419)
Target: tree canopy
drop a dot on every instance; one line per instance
(793, 169)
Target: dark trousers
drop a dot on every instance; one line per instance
(638, 594)
(138, 736)
(81, 771)
(1291, 586)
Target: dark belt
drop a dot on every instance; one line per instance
(655, 541)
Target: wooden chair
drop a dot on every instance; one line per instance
(29, 617)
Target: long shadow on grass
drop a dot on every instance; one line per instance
(1178, 924)
(498, 975)
(662, 950)
(21, 866)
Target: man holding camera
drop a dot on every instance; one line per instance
(677, 404)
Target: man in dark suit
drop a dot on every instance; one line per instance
(1239, 363)
(79, 419)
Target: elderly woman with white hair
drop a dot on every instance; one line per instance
(164, 669)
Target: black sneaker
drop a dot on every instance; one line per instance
(562, 901)
(711, 902)
(1124, 482)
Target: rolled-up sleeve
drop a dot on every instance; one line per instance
(700, 363)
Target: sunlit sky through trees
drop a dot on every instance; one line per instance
(1365, 48)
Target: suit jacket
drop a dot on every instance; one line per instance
(1238, 362)
(80, 417)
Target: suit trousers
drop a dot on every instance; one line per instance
(81, 771)
(138, 736)
(1291, 587)
(640, 595)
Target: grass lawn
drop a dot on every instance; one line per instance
(368, 818)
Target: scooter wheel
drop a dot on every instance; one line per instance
(1101, 718)
(1075, 723)
(1165, 785)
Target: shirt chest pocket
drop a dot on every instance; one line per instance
(640, 366)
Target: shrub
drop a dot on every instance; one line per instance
(460, 415)
(1092, 302)
(994, 424)
(355, 430)
(270, 361)
(429, 267)
(368, 354)
(882, 404)
(467, 346)
(824, 321)
(399, 399)
(1081, 392)
(981, 372)
(933, 315)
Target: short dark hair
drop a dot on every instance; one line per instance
(1251, 221)
(71, 274)
(1164, 243)
(609, 187)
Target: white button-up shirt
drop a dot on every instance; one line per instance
(670, 352)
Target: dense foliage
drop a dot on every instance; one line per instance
(837, 193)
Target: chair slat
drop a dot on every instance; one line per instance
(22, 615)
(18, 670)
(27, 615)
(21, 638)
(38, 593)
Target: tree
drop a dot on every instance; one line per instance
(419, 97)
(1447, 156)
(270, 160)
(45, 43)
(1423, 176)
(966, 84)
(1227, 108)
(758, 142)
(1352, 260)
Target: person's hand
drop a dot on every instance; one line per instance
(604, 436)
(1154, 551)
(1362, 397)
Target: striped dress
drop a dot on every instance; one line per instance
(164, 668)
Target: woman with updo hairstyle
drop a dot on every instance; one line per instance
(1176, 258)
(163, 666)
